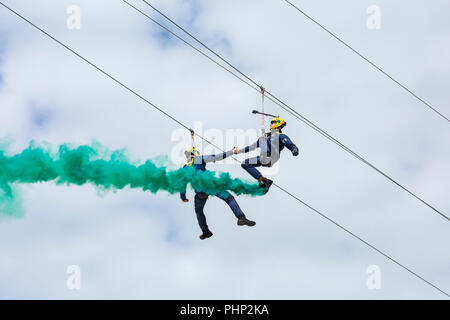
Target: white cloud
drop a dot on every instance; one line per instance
(135, 245)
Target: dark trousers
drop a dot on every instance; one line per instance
(250, 166)
(200, 200)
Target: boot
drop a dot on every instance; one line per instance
(265, 183)
(243, 221)
(206, 234)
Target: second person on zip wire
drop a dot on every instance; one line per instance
(199, 162)
(271, 146)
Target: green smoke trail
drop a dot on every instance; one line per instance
(106, 170)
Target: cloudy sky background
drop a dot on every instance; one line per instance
(132, 244)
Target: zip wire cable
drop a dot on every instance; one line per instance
(212, 144)
(368, 61)
(188, 44)
(279, 102)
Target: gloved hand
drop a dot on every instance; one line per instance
(295, 153)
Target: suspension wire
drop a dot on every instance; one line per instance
(263, 95)
(212, 144)
(280, 103)
(368, 61)
(189, 44)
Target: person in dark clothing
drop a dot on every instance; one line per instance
(271, 146)
(199, 163)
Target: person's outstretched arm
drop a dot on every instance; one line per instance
(215, 157)
(183, 194)
(289, 144)
(250, 148)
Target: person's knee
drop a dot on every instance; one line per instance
(244, 165)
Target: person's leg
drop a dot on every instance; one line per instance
(200, 201)
(232, 203)
(234, 206)
(250, 166)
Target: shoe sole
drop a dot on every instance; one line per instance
(247, 224)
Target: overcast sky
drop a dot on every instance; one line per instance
(132, 244)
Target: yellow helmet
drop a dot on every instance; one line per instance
(192, 152)
(277, 123)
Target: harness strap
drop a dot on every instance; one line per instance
(263, 93)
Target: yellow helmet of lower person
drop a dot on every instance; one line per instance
(277, 123)
(192, 152)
